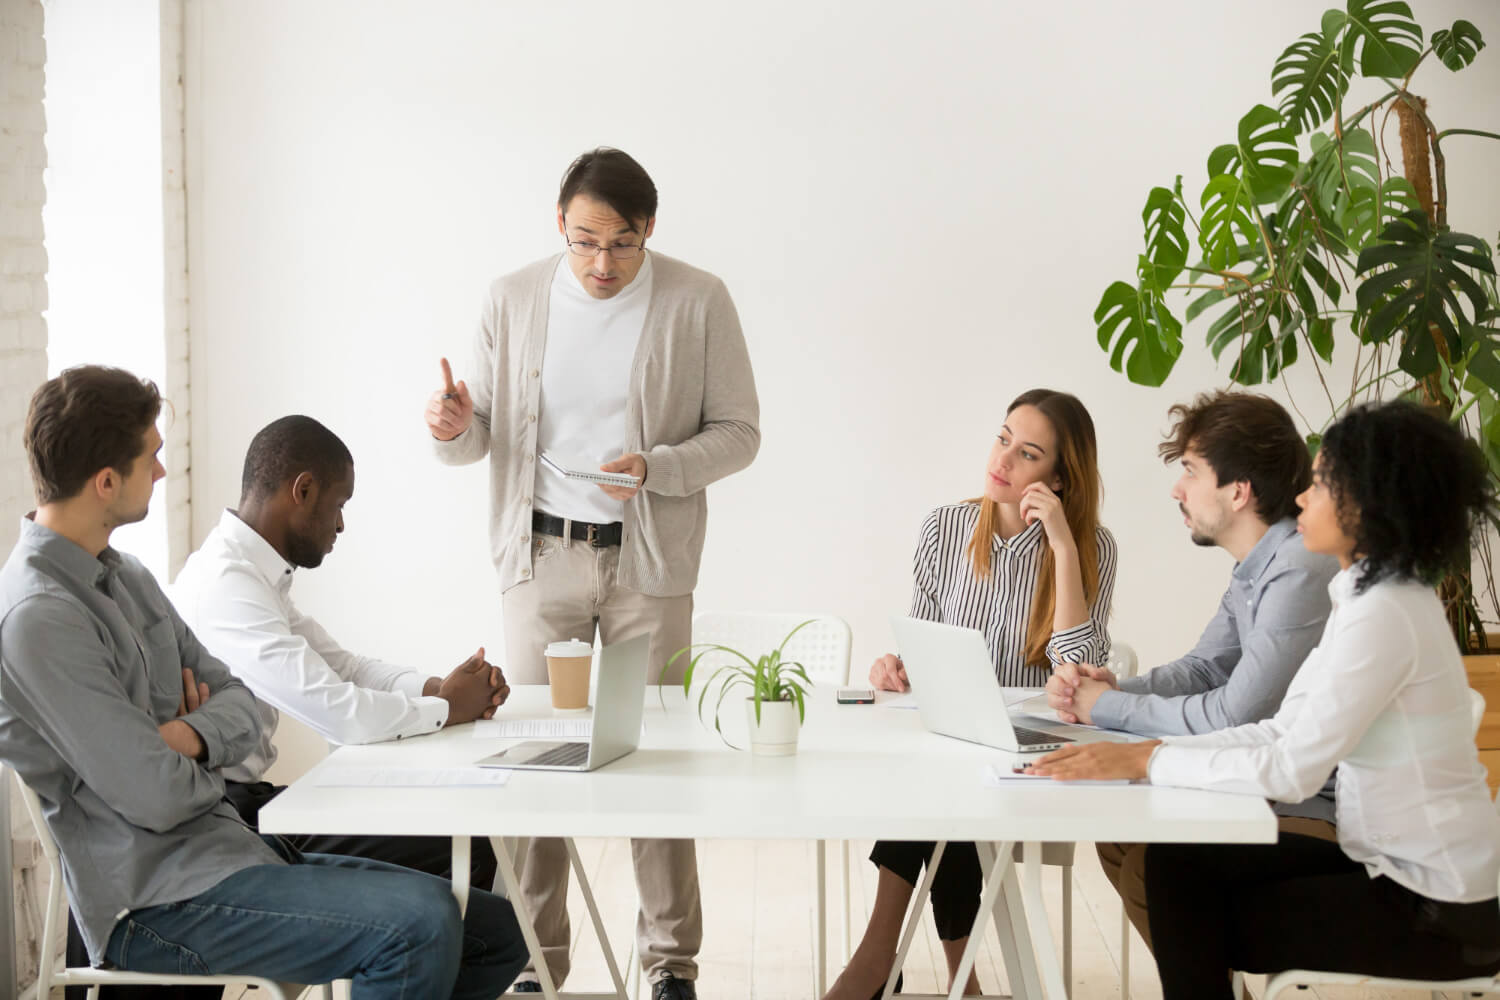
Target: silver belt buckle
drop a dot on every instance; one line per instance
(593, 532)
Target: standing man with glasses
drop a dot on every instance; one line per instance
(624, 359)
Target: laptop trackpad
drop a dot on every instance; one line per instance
(546, 753)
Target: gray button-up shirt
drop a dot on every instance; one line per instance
(91, 660)
(1271, 617)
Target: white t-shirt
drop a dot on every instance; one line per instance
(591, 346)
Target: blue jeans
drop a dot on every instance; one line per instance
(395, 932)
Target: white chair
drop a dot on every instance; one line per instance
(55, 926)
(823, 650)
(1301, 979)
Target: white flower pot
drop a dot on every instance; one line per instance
(776, 734)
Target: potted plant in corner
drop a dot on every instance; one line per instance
(1308, 239)
(775, 692)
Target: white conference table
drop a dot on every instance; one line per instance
(862, 772)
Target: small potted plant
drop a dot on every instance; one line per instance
(775, 699)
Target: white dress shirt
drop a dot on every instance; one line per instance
(591, 345)
(235, 594)
(1383, 698)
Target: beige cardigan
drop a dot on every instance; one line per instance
(691, 411)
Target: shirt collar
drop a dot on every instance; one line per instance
(66, 554)
(1022, 543)
(1259, 557)
(257, 551)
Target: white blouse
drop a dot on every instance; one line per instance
(1384, 699)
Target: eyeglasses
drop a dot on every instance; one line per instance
(592, 250)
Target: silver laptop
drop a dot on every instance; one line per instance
(957, 692)
(618, 694)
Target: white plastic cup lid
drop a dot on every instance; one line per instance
(573, 647)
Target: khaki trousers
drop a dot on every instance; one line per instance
(572, 591)
(1125, 866)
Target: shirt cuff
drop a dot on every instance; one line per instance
(410, 683)
(432, 715)
(1104, 714)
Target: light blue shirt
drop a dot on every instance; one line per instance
(1269, 620)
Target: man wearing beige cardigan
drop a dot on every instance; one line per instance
(613, 357)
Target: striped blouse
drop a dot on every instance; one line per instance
(946, 589)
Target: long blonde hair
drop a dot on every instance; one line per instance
(1077, 467)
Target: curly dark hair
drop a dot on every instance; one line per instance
(1409, 488)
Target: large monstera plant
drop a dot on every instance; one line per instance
(1306, 236)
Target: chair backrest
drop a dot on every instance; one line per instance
(1476, 709)
(1122, 660)
(822, 647)
(54, 919)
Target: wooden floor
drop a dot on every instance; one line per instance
(757, 903)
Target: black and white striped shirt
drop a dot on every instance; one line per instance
(946, 589)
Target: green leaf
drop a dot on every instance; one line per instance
(1457, 46)
(1418, 280)
(1166, 238)
(1369, 211)
(1138, 325)
(1226, 217)
(1262, 329)
(1311, 73)
(1383, 37)
(1320, 335)
(1264, 155)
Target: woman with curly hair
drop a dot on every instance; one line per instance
(1409, 890)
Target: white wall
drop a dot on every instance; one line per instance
(356, 179)
(104, 205)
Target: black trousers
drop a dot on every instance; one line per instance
(1301, 904)
(433, 855)
(955, 884)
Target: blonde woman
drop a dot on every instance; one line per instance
(1028, 564)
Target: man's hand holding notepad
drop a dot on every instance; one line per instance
(570, 468)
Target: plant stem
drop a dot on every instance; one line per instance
(1464, 131)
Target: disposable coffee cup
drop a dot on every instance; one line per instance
(568, 666)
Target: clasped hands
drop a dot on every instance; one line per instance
(473, 690)
(1072, 691)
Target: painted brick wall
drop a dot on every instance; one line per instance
(175, 492)
(23, 358)
(23, 259)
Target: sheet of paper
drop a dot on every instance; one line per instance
(408, 777)
(533, 729)
(998, 776)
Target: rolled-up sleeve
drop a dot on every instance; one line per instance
(1088, 641)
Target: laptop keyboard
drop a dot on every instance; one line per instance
(566, 755)
(1031, 737)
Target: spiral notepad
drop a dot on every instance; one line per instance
(561, 467)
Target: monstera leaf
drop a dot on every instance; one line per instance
(1263, 328)
(1264, 155)
(1143, 339)
(1371, 210)
(1312, 75)
(1227, 217)
(1457, 46)
(1166, 238)
(1382, 36)
(1336, 169)
(1419, 279)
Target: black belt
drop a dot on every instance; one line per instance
(600, 536)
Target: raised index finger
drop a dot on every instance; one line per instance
(448, 385)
